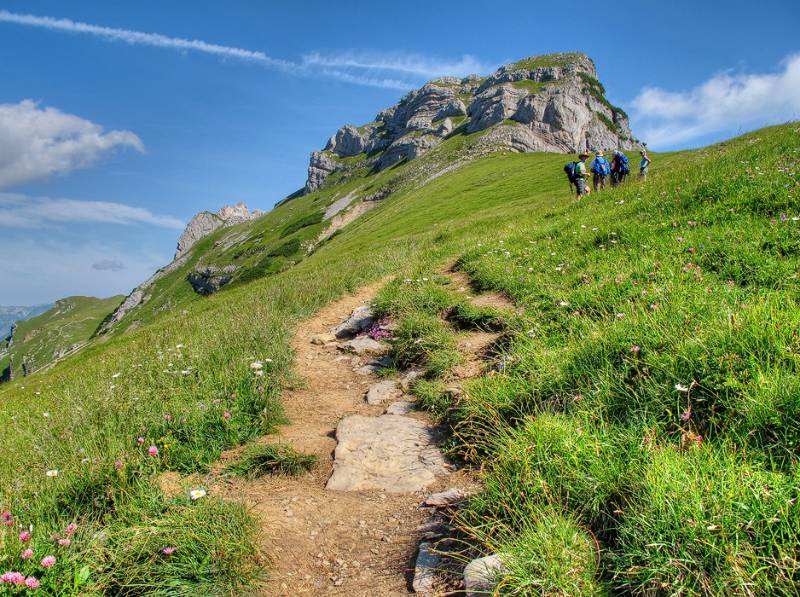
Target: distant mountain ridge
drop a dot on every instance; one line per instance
(10, 314)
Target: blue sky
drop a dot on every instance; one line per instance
(120, 120)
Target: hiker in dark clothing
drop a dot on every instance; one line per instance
(600, 170)
(581, 176)
(620, 168)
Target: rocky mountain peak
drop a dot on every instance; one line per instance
(206, 222)
(551, 102)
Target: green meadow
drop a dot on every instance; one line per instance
(71, 321)
(637, 430)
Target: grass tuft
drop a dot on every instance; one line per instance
(272, 459)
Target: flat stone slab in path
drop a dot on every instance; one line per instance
(389, 453)
(401, 407)
(382, 391)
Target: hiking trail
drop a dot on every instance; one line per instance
(355, 523)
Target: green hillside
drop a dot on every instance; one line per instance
(60, 330)
(639, 434)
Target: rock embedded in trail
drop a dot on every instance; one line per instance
(364, 345)
(361, 319)
(400, 408)
(445, 498)
(374, 366)
(382, 391)
(481, 575)
(425, 569)
(322, 339)
(388, 453)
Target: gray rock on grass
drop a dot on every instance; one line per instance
(482, 574)
(361, 319)
(408, 379)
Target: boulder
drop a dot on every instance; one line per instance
(209, 279)
(425, 569)
(386, 453)
(361, 319)
(382, 391)
(481, 575)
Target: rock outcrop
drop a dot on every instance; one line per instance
(209, 279)
(206, 279)
(7, 374)
(542, 103)
(205, 223)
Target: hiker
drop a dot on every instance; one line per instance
(620, 168)
(600, 170)
(581, 174)
(644, 164)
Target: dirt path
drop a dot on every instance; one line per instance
(325, 542)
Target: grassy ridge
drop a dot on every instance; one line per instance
(646, 407)
(70, 322)
(173, 381)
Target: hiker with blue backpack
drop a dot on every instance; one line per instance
(620, 168)
(600, 170)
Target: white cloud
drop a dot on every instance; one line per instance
(21, 211)
(140, 38)
(725, 103)
(36, 142)
(366, 80)
(412, 64)
(395, 70)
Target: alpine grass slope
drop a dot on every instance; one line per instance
(638, 431)
(552, 102)
(61, 330)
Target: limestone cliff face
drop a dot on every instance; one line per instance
(206, 222)
(542, 103)
(200, 226)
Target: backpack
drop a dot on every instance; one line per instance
(624, 166)
(570, 171)
(601, 166)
